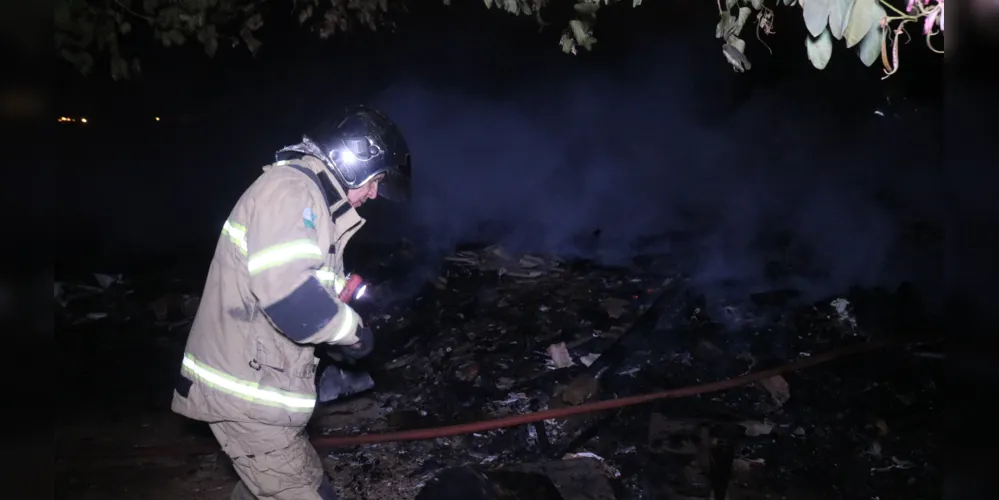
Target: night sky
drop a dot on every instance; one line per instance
(514, 141)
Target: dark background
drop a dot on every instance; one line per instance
(464, 81)
(784, 176)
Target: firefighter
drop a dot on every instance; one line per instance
(271, 298)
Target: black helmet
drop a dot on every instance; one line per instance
(363, 144)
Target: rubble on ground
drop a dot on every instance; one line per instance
(113, 298)
(495, 259)
(495, 335)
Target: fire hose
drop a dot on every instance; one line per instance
(325, 442)
(328, 442)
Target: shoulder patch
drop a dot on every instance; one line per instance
(309, 218)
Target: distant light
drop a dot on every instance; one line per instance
(157, 118)
(83, 120)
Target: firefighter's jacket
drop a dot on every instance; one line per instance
(270, 297)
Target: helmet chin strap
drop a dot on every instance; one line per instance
(327, 179)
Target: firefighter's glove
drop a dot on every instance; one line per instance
(365, 343)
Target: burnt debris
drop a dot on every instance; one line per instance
(493, 334)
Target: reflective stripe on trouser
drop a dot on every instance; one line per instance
(248, 391)
(274, 462)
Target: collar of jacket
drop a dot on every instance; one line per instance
(343, 214)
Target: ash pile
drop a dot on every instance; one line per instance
(496, 334)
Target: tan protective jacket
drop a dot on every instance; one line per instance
(270, 296)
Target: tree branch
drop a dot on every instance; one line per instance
(134, 13)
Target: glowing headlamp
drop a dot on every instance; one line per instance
(347, 157)
(354, 289)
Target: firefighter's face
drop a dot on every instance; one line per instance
(369, 191)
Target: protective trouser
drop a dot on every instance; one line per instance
(273, 462)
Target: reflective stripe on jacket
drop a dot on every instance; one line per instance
(270, 296)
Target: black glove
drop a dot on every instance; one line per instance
(336, 382)
(365, 344)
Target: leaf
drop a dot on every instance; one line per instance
(816, 15)
(82, 61)
(789, 2)
(169, 38)
(211, 41)
(730, 3)
(119, 69)
(740, 63)
(586, 8)
(511, 6)
(176, 37)
(489, 3)
(254, 23)
(819, 49)
(168, 17)
(125, 28)
(85, 30)
(860, 21)
(251, 41)
(744, 13)
(568, 46)
(105, 35)
(738, 43)
(757, 4)
(326, 30)
(724, 23)
(839, 12)
(581, 32)
(189, 22)
(304, 14)
(870, 46)
(62, 14)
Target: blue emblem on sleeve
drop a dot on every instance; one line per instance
(309, 217)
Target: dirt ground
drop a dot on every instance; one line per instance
(473, 347)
